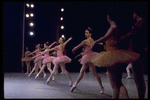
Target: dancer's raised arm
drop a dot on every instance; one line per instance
(67, 41)
(52, 44)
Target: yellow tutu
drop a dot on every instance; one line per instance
(110, 58)
(27, 59)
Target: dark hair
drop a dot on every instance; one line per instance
(115, 12)
(141, 10)
(63, 39)
(47, 43)
(90, 30)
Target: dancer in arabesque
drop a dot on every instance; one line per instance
(86, 59)
(47, 59)
(60, 60)
(114, 57)
(38, 60)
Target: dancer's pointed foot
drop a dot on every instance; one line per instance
(73, 87)
(29, 75)
(26, 73)
(44, 75)
(71, 82)
(36, 76)
(102, 90)
(128, 77)
(47, 81)
(53, 78)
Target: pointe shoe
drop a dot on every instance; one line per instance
(29, 75)
(44, 75)
(70, 84)
(102, 90)
(73, 87)
(128, 77)
(53, 78)
(36, 76)
(47, 81)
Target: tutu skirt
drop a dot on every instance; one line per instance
(110, 58)
(38, 58)
(47, 59)
(61, 59)
(87, 57)
(27, 59)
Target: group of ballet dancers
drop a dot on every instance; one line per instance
(113, 58)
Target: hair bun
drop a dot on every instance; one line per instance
(90, 28)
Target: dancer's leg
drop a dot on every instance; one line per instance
(28, 67)
(115, 75)
(43, 66)
(83, 69)
(50, 70)
(63, 68)
(53, 72)
(92, 68)
(128, 70)
(137, 69)
(40, 64)
(33, 69)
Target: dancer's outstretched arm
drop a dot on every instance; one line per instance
(78, 46)
(47, 50)
(52, 44)
(105, 37)
(67, 41)
(37, 50)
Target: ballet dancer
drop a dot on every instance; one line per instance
(60, 60)
(86, 59)
(47, 59)
(38, 60)
(27, 60)
(114, 57)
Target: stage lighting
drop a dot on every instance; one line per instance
(31, 14)
(62, 9)
(27, 5)
(61, 18)
(31, 24)
(62, 27)
(32, 5)
(31, 33)
(27, 15)
(63, 36)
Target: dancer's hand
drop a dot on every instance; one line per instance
(70, 38)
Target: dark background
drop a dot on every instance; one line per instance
(77, 17)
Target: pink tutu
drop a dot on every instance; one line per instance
(87, 57)
(61, 58)
(38, 58)
(48, 58)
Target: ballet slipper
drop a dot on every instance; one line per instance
(128, 77)
(53, 78)
(29, 75)
(47, 81)
(102, 90)
(44, 75)
(36, 76)
(73, 87)
(70, 84)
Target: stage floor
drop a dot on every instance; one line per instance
(19, 86)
